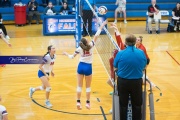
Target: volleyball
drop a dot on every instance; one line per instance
(102, 10)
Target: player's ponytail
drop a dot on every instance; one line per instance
(84, 44)
(49, 48)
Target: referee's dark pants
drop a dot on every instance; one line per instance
(87, 16)
(134, 89)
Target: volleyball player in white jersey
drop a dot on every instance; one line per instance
(85, 66)
(3, 112)
(44, 70)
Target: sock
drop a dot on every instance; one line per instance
(87, 101)
(78, 101)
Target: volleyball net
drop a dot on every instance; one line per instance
(105, 43)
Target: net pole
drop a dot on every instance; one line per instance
(78, 23)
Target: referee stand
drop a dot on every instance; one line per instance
(115, 104)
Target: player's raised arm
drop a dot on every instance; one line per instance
(99, 30)
(118, 36)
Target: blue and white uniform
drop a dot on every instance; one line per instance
(2, 112)
(85, 61)
(48, 65)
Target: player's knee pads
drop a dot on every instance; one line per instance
(41, 87)
(79, 89)
(48, 89)
(88, 89)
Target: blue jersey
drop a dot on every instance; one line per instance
(130, 63)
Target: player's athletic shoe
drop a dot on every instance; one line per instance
(48, 104)
(88, 106)
(31, 92)
(78, 106)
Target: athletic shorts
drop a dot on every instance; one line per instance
(120, 9)
(84, 69)
(41, 74)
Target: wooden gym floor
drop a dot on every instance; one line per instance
(15, 80)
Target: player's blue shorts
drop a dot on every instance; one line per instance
(41, 74)
(84, 69)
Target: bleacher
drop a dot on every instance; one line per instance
(136, 9)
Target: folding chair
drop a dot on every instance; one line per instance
(164, 17)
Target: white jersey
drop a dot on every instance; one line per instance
(85, 56)
(2, 112)
(122, 3)
(48, 63)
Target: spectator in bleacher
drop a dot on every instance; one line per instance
(87, 15)
(64, 9)
(121, 8)
(3, 28)
(49, 10)
(176, 14)
(153, 9)
(6, 2)
(33, 5)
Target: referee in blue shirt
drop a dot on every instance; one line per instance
(130, 63)
(87, 15)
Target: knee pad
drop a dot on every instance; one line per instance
(48, 89)
(41, 87)
(79, 89)
(88, 89)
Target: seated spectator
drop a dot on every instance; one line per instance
(153, 9)
(3, 28)
(6, 2)
(49, 10)
(33, 5)
(64, 9)
(3, 112)
(121, 8)
(176, 14)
